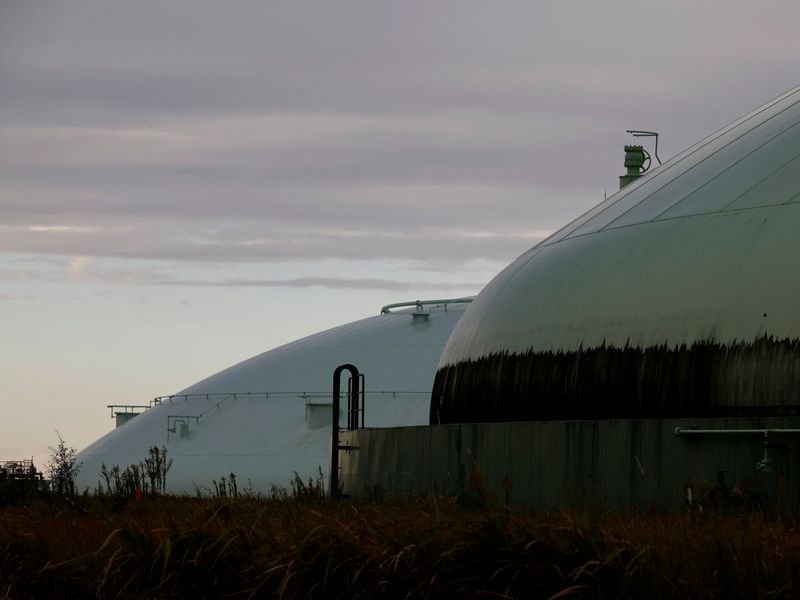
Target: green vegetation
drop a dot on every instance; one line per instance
(147, 477)
(130, 540)
(63, 468)
(302, 545)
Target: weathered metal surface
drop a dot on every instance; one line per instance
(677, 296)
(704, 379)
(608, 463)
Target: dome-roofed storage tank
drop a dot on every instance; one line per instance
(679, 296)
(270, 416)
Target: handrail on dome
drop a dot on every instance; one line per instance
(304, 395)
(127, 408)
(385, 310)
(182, 423)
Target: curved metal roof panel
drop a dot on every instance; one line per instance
(708, 177)
(269, 416)
(692, 264)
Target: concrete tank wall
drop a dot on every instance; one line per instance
(610, 463)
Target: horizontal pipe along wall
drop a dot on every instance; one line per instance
(610, 463)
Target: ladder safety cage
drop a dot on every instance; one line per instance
(355, 385)
(355, 403)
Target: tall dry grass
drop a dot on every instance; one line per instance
(425, 548)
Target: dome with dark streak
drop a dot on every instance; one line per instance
(679, 296)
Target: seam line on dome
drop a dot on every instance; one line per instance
(697, 164)
(795, 199)
(726, 208)
(602, 207)
(725, 170)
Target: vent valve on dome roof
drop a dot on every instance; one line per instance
(637, 159)
(420, 315)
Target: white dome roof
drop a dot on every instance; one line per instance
(701, 254)
(269, 416)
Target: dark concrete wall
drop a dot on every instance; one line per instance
(611, 463)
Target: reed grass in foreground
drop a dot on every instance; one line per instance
(428, 548)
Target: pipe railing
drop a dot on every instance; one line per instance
(218, 398)
(304, 395)
(127, 408)
(763, 465)
(679, 431)
(385, 310)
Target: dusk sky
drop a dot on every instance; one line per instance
(184, 184)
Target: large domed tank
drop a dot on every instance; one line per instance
(270, 416)
(679, 296)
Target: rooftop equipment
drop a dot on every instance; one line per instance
(637, 159)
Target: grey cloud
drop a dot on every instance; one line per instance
(25, 275)
(351, 56)
(87, 273)
(254, 243)
(123, 65)
(182, 130)
(365, 283)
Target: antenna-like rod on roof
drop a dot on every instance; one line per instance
(640, 133)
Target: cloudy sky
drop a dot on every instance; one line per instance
(184, 184)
